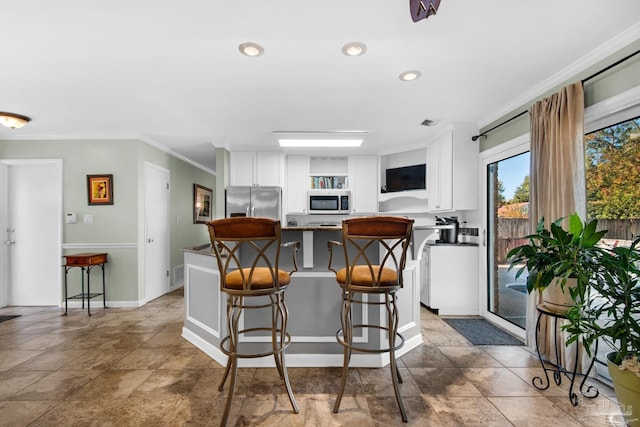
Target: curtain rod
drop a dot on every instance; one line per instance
(605, 69)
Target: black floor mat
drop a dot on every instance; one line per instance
(3, 318)
(481, 332)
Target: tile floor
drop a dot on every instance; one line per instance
(125, 367)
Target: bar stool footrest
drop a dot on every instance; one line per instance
(340, 338)
(224, 344)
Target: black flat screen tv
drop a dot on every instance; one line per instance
(406, 178)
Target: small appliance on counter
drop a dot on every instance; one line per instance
(448, 229)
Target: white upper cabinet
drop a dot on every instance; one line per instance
(297, 181)
(452, 170)
(363, 183)
(265, 168)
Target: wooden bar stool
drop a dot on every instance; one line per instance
(390, 237)
(248, 254)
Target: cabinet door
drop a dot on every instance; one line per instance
(363, 183)
(269, 169)
(296, 188)
(440, 174)
(242, 165)
(433, 176)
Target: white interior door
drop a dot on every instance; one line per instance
(156, 239)
(31, 221)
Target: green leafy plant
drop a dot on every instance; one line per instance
(558, 254)
(611, 310)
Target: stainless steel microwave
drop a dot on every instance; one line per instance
(328, 202)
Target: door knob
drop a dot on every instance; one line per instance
(10, 242)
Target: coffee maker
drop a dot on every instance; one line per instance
(448, 229)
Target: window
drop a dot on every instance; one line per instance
(612, 148)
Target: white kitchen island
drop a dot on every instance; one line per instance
(313, 299)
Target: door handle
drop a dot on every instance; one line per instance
(149, 240)
(10, 242)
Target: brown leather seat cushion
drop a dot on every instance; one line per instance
(361, 276)
(261, 278)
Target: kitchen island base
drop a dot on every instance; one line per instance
(313, 299)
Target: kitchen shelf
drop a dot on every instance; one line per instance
(413, 194)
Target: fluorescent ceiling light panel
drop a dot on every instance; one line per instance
(319, 142)
(310, 139)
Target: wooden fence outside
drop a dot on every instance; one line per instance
(512, 230)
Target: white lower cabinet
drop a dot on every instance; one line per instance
(450, 279)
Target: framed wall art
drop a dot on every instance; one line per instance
(100, 189)
(202, 200)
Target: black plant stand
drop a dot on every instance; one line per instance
(558, 370)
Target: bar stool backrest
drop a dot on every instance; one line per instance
(248, 252)
(391, 234)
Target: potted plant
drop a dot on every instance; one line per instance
(564, 258)
(611, 312)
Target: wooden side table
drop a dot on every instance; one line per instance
(86, 262)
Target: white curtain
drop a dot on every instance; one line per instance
(557, 185)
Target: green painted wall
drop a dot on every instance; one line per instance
(120, 224)
(610, 83)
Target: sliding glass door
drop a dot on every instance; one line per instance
(506, 203)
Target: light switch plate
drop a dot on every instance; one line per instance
(88, 219)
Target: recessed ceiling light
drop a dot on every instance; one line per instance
(251, 49)
(408, 76)
(354, 49)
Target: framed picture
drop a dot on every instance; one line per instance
(202, 201)
(100, 189)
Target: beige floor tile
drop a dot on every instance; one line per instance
(499, 382)
(49, 360)
(444, 382)
(11, 358)
(512, 356)
(131, 366)
(22, 413)
(466, 411)
(533, 411)
(12, 382)
(55, 386)
(469, 357)
(118, 384)
(167, 383)
(143, 358)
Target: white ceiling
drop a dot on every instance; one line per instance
(169, 72)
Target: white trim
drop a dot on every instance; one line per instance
(616, 109)
(99, 245)
(600, 53)
(156, 144)
(306, 360)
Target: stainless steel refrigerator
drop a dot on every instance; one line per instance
(265, 202)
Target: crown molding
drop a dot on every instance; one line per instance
(600, 53)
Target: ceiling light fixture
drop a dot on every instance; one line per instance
(320, 139)
(13, 121)
(326, 143)
(251, 49)
(428, 122)
(354, 49)
(410, 75)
